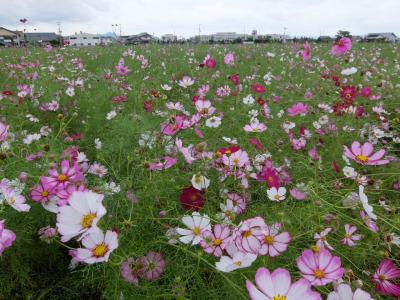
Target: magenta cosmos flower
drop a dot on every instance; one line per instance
(69, 174)
(273, 242)
(319, 268)
(43, 192)
(361, 154)
(384, 276)
(306, 52)
(162, 163)
(7, 237)
(278, 286)
(341, 46)
(350, 238)
(3, 131)
(258, 88)
(153, 265)
(174, 125)
(214, 242)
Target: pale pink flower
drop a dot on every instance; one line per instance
(298, 109)
(248, 235)
(306, 52)
(350, 238)
(186, 81)
(236, 159)
(3, 131)
(215, 241)
(344, 292)
(278, 286)
(7, 237)
(362, 154)
(273, 243)
(255, 127)
(321, 238)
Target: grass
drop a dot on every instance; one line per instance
(32, 269)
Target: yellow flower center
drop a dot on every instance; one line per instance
(319, 274)
(256, 129)
(362, 158)
(12, 200)
(347, 236)
(270, 179)
(238, 263)
(100, 250)
(382, 277)
(45, 193)
(315, 249)
(193, 198)
(196, 230)
(277, 197)
(247, 233)
(62, 177)
(217, 242)
(279, 297)
(87, 220)
(268, 240)
(236, 161)
(197, 179)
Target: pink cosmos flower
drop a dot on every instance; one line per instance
(122, 70)
(350, 238)
(341, 46)
(43, 192)
(132, 270)
(368, 221)
(229, 59)
(274, 243)
(235, 78)
(153, 265)
(321, 238)
(248, 235)
(313, 153)
(69, 173)
(97, 246)
(162, 163)
(297, 194)
(204, 107)
(7, 237)
(236, 159)
(298, 109)
(255, 127)
(215, 241)
(185, 82)
(278, 286)
(306, 52)
(258, 88)
(238, 202)
(319, 268)
(3, 131)
(384, 278)
(361, 154)
(366, 92)
(174, 125)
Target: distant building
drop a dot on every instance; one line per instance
(9, 37)
(169, 38)
(382, 36)
(41, 37)
(141, 38)
(356, 38)
(227, 36)
(88, 39)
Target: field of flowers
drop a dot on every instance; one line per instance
(200, 172)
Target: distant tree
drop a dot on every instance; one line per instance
(343, 33)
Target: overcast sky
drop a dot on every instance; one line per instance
(182, 17)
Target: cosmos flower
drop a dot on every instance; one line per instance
(200, 182)
(342, 46)
(322, 242)
(7, 237)
(344, 292)
(196, 224)
(192, 198)
(276, 194)
(132, 270)
(153, 266)
(248, 235)
(350, 238)
(82, 213)
(229, 59)
(236, 159)
(319, 268)
(186, 81)
(298, 109)
(273, 241)
(236, 259)
(213, 122)
(384, 278)
(306, 52)
(362, 154)
(17, 201)
(278, 286)
(98, 246)
(255, 127)
(3, 131)
(258, 88)
(215, 241)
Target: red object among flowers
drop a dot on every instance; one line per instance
(192, 199)
(258, 88)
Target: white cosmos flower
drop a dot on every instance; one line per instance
(349, 71)
(70, 91)
(248, 100)
(235, 260)
(82, 213)
(349, 172)
(213, 122)
(112, 114)
(364, 200)
(195, 224)
(166, 87)
(200, 182)
(275, 194)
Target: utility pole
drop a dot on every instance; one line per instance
(284, 35)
